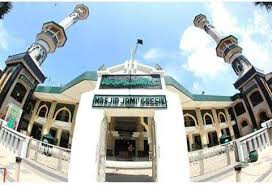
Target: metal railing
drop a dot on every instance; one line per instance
(211, 159)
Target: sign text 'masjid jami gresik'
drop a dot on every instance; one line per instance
(130, 101)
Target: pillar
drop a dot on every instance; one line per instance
(216, 124)
(59, 136)
(50, 116)
(229, 124)
(202, 132)
(150, 137)
(3, 78)
(140, 140)
(110, 139)
(73, 125)
(191, 142)
(33, 117)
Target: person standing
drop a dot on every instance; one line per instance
(130, 151)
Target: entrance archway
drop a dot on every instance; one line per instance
(90, 136)
(129, 140)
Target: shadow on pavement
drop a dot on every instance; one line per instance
(113, 177)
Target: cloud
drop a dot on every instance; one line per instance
(3, 37)
(256, 40)
(197, 88)
(201, 57)
(152, 54)
(255, 36)
(10, 43)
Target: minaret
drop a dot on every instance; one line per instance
(227, 47)
(53, 34)
(251, 83)
(23, 72)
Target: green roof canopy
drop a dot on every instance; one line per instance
(92, 75)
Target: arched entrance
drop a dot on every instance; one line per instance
(127, 139)
(129, 145)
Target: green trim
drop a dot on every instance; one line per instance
(196, 97)
(236, 96)
(92, 75)
(172, 82)
(89, 75)
(47, 89)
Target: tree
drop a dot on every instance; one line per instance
(267, 5)
(5, 7)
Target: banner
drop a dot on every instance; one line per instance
(13, 116)
(130, 82)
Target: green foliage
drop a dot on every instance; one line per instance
(5, 7)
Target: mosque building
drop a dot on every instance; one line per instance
(132, 89)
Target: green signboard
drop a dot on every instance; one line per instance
(130, 82)
(130, 101)
(13, 116)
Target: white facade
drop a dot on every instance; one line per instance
(169, 138)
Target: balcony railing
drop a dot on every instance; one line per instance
(34, 150)
(258, 140)
(13, 140)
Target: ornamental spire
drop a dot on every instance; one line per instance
(53, 34)
(227, 47)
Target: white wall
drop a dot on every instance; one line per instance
(173, 161)
(170, 133)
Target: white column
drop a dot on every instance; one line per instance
(70, 20)
(85, 135)
(171, 143)
(59, 136)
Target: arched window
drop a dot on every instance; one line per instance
(222, 118)
(189, 121)
(239, 109)
(256, 98)
(18, 92)
(63, 115)
(244, 124)
(208, 119)
(43, 112)
(263, 117)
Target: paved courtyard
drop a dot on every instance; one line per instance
(260, 171)
(27, 174)
(121, 171)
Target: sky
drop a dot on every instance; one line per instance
(185, 52)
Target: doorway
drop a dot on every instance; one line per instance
(138, 164)
(122, 149)
(197, 145)
(36, 131)
(213, 139)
